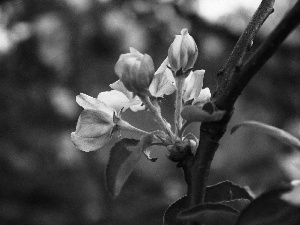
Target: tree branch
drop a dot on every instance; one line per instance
(211, 133)
(236, 57)
(259, 58)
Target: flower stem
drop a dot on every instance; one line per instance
(184, 126)
(178, 104)
(164, 125)
(128, 127)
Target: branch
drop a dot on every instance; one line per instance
(211, 133)
(236, 57)
(237, 81)
(259, 58)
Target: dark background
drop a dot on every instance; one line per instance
(52, 50)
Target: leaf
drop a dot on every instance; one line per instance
(237, 204)
(225, 191)
(197, 114)
(147, 152)
(146, 142)
(269, 209)
(211, 214)
(281, 135)
(170, 216)
(120, 165)
(143, 145)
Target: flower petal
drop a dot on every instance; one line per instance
(174, 53)
(204, 97)
(134, 51)
(121, 67)
(119, 86)
(163, 82)
(89, 144)
(166, 84)
(135, 103)
(114, 99)
(138, 107)
(93, 123)
(193, 85)
(88, 102)
(162, 67)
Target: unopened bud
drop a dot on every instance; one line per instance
(183, 52)
(135, 70)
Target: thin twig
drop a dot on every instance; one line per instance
(157, 115)
(178, 104)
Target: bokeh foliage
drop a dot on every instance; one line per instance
(52, 50)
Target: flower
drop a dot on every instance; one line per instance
(99, 121)
(163, 82)
(133, 102)
(203, 98)
(183, 52)
(95, 124)
(193, 85)
(192, 89)
(136, 71)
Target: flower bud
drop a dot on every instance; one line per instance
(183, 52)
(135, 70)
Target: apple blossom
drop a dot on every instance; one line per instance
(98, 121)
(136, 71)
(192, 89)
(182, 53)
(163, 82)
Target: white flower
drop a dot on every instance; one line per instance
(98, 121)
(203, 98)
(193, 85)
(135, 70)
(132, 102)
(95, 124)
(192, 90)
(183, 52)
(163, 82)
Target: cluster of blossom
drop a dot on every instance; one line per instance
(140, 88)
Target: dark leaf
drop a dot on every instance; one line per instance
(237, 204)
(211, 214)
(145, 143)
(147, 152)
(144, 146)
(170, 216)
(277, 133)
(269, 209)
(120, 165)
(225, 191)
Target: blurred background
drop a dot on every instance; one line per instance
(52, 50)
